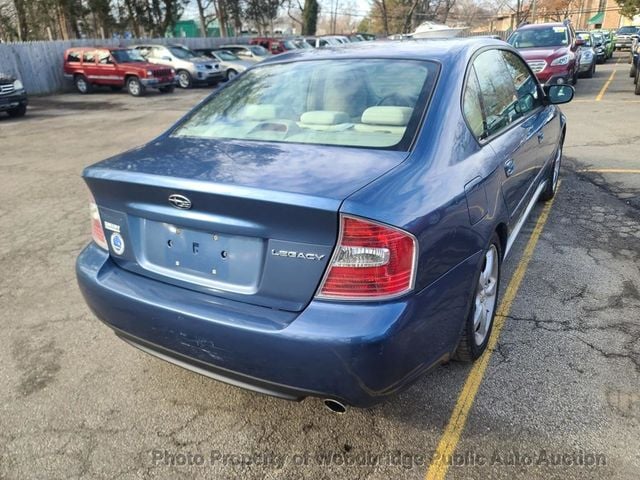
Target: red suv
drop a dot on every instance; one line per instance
(116, 68)
(551, 50)
(274, 45)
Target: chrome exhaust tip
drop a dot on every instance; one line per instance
(335, 406)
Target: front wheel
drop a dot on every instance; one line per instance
(184, 79)
(231, 73)
(17, 111)
(637, 90)
(479, 323)
(592, 70)
(134, 87)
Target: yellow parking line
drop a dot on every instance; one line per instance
(608, 82)
(610, 170)
(448, 442)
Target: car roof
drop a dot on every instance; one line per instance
(432, 49)
(534, 26)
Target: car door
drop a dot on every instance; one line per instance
(89, 65)
(106, 69)
(514, 137)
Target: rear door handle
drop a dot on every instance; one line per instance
(509, 167)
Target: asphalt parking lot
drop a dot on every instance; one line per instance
(558, 395)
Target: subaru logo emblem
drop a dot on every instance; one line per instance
(180, 201)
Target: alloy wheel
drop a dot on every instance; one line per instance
(486, 295)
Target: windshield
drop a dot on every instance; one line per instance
(124, 56)
(627, 30)
(586, 37)
(289, 45)
(259, 50)
(597, 38)
(182, 53)
(540, 37)
(302, 43)
(226, 55)
(362, 103)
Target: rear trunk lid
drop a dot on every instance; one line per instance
(262, 221)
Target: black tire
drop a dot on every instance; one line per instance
(115, 88)
(632, 71)
(552, 180)
(135, 87)
(167, 89)
(18, 111)
(468, 348)
(230, 74)
(574, 79)
(637, 90)
(591, 71)
(82, 84)
(184, 79)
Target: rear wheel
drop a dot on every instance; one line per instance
(632, 71)
(82, 84)
(134, 87)
(18, 111)
(479, 324)
(184, 79)
(637, 91)
(554, 175)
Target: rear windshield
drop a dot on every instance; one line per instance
(349, 102)
(540, 37)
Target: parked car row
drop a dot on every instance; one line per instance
(558, 54)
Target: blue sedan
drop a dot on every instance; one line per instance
(331, 223)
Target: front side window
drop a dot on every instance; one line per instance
(349, 102)
(104, 58)
(540, 37)
(497, 90)
(526, 86)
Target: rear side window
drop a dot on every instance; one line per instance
(89, 57)
(472, 107)
(496, 87)
(73, 57)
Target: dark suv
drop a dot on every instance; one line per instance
(551, 50)
(13, 97)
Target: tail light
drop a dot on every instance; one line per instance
(97, 233)
(371, 262)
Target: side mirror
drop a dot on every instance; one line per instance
(557, 94)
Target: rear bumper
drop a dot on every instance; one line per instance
(355, 353)
(14, 100)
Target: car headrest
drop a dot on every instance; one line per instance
(324, 117)
(396, 116)
(260, 112)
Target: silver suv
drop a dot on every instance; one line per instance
(190, 68)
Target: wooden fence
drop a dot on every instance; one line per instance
(39, 64)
